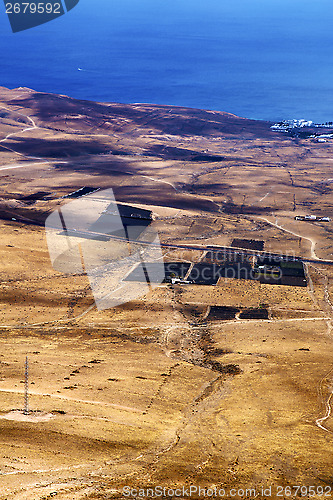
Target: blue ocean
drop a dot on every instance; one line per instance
(263, 59)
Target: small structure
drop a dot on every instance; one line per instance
(311, 218)
(179, 281)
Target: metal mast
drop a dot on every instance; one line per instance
(26, 387)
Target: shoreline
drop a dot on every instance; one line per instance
(273, 121)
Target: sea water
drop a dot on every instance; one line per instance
(264, 59)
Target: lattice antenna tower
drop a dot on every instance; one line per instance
(26, 387)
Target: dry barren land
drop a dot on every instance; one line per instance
(187, 385)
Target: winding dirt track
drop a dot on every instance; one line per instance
(68, 398)
(40, 161)
(312, 241)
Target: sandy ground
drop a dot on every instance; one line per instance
(153, 392)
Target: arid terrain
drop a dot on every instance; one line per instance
(225, 386)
